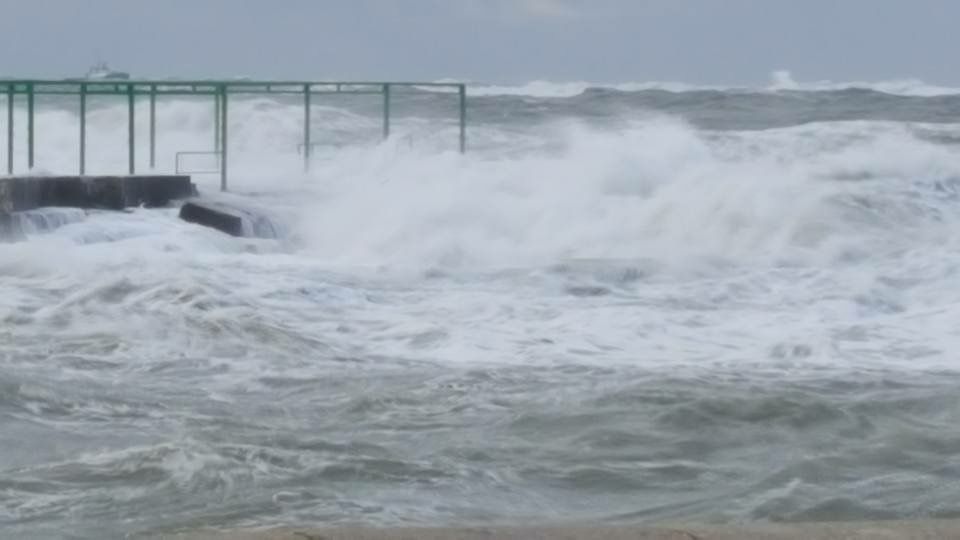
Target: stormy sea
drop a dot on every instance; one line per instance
(624, 304)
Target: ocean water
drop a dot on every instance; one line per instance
(625, 304)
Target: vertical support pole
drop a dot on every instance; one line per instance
(223, 137)
(130, 128)
(216, 121)
(83, 129)
(386, 111)
(10, 128)
(153, 126)
(30, 126)
(306, 128)
(463, 118)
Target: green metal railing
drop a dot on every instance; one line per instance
(219, 90)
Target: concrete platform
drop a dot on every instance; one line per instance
(900, 530)
(20, 193)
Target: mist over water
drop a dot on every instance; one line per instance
(623, 305)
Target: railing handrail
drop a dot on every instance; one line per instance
(220, 89)
(219, 83)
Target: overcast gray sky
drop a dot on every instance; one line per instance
(502, 41)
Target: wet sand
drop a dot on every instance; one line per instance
(880, 530)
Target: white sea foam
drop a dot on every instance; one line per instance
(654, 195)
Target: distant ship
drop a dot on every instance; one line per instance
(101, 71)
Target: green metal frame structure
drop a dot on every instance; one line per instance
(219, 90)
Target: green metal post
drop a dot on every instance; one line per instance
(216, 122)
(153, 126)
(223, 137)
(386, 111)
(83, 129)
(463, 118)
(130, 128)
(306, 128)
(30, 126)
(10, 129)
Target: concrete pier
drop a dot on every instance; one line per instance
(879, 530)
(31, 203)
(20, 193)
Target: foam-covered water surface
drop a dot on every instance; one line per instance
(622, 305)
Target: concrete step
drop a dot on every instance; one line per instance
(230, 218)
(15, 226)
